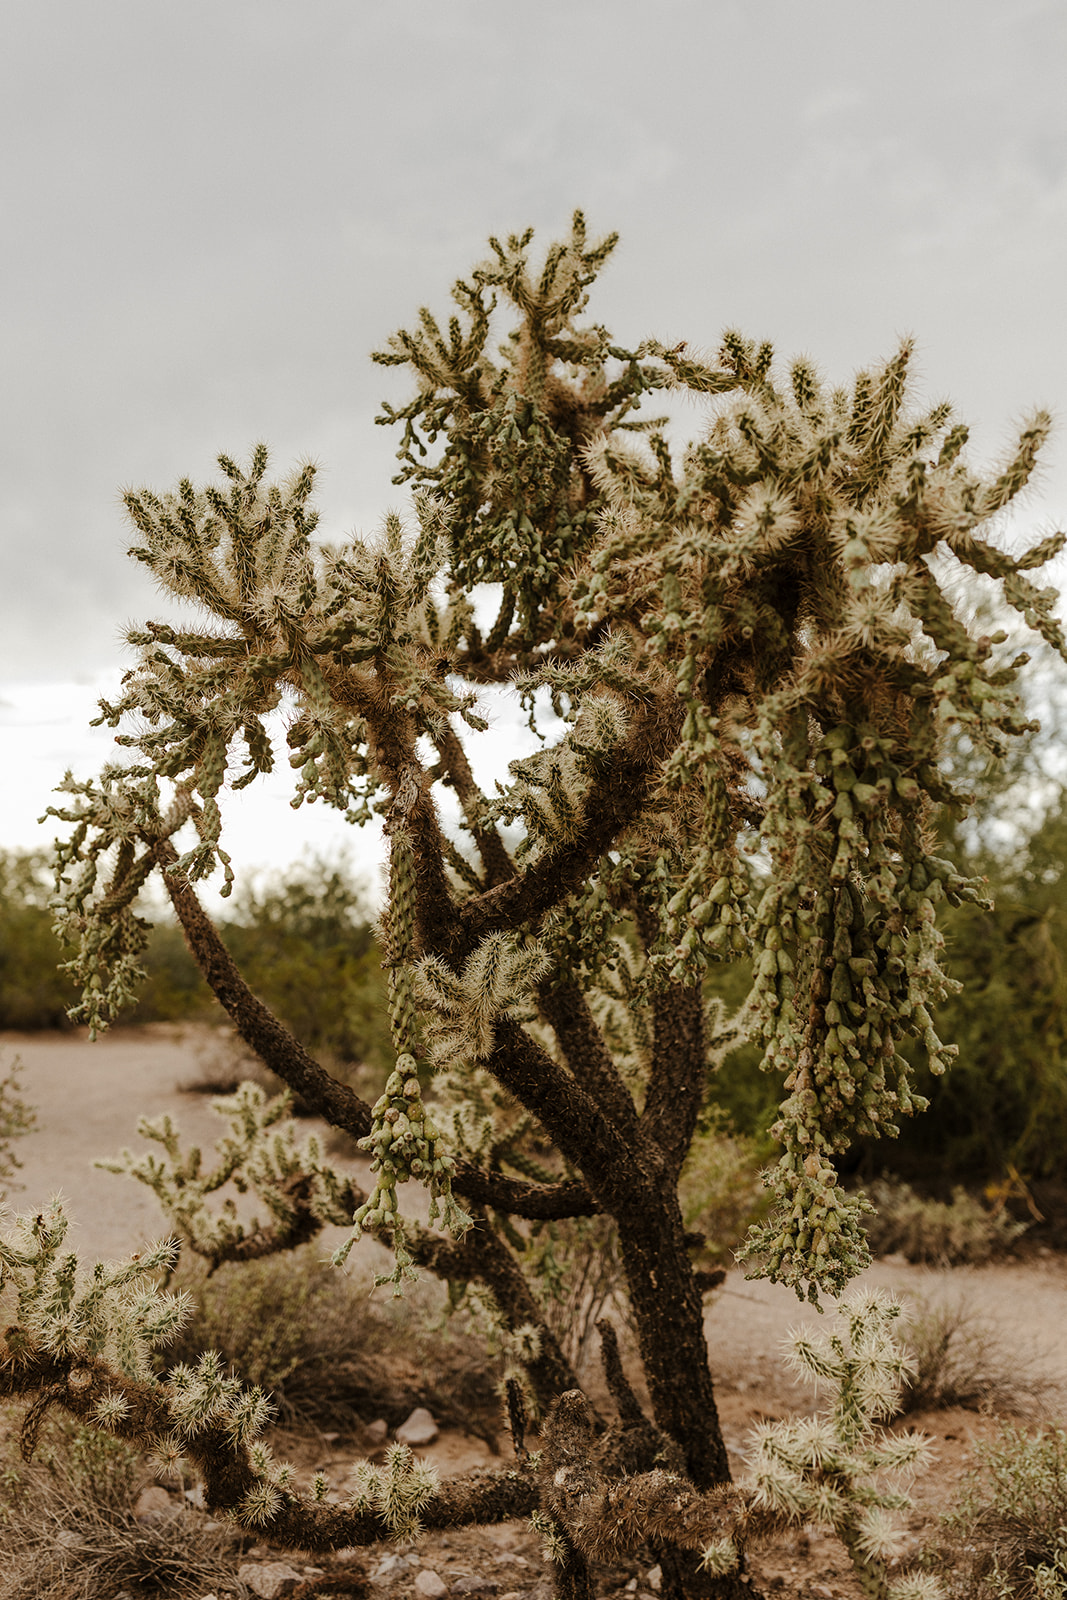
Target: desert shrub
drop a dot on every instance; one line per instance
(327, 1353)
(305, 1334)
(34, 992)
(1011, 1523)
(939, 1233)
(67, 1529)
(958, 1359)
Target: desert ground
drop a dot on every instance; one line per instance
(88, 1098)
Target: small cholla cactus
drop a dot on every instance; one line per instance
(840, 1468)
(398, 1491)
(113, 1314)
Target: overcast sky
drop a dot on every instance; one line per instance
(213, 211)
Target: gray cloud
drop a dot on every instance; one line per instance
(213, 213)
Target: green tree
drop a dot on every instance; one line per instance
(305, 944)
(34, 993)
(1004, 1104)
(755, 658)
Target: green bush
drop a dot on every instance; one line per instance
(304, 938)
(1012, 1519)
(305, 944)
(34, 993)
(955, 1233)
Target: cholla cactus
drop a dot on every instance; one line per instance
(301, 1191)
(756, 655)
(833, 1468)
(496, 982)
(114, 1314)
(398, 1492)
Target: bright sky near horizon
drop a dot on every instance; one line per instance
(214, 213)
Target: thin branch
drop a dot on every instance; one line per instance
(257, 1025)
(496, 862)
(337, 1104)
(613, 801)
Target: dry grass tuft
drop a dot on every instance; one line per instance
(961, 1360)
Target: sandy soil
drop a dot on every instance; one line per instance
(89, 1098)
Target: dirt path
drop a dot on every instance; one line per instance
(89, 1098)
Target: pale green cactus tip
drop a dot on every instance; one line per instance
(497, 981)
(398, 1491)
(719, 1557)
(554, 1544)
(839, 1468)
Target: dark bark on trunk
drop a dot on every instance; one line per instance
(676, 1083)
(566, 1009)
(612, 803)
(669, 1320)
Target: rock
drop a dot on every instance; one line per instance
(654, 1577)
(314, 1572)
(195, 1497)
(475, 1586)
(330, 1438)
(821, 1591)
(376, 1432)
(430, 1585)
(420, 1429)
(390, 1567)
(271, 1580)
(154, 1505)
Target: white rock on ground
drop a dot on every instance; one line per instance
(430, 1585)
(270, 1581)
(152, 1504)
(419, 1429)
